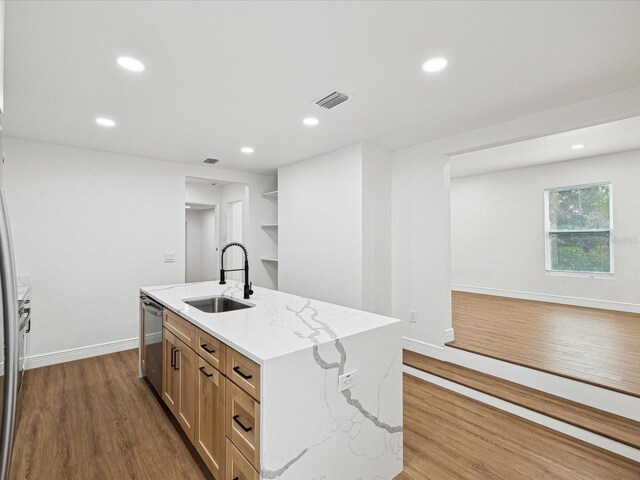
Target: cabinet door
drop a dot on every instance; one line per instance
(169, 377)
(185, 366)
(210, 402)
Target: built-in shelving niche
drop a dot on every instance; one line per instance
(270, 228)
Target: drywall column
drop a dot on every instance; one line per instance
(334, 218)
(320, 227)
(421, 243)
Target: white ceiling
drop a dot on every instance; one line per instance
(221, 75)
(619, 136)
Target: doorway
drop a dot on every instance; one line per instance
(215, 215)
(200, 243)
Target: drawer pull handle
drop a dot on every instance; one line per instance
(236, 478)
(173, 358)
(246, 429)
(243, 375)
(175, 361)
(205, 372)
(205, 347)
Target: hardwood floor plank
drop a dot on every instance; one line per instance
(449, 436)
(94, 419)
(600, 347)
(603, 423)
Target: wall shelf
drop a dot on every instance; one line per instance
(269, 225)
(269, 259)
(273, 195)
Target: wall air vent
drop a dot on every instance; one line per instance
(211, 161)
(332, 100)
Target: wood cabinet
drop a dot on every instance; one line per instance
(178, 381)
(185, 366)
(169, 373)
(214, 393)
(180, 327)
(243, 372)
(209, 427)
(211, 349)
(238, 468)
(243, 423)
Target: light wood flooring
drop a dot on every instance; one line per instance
(94, 419)
(600, 347)
(597, 421)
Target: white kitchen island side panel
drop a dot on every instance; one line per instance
(312, 431)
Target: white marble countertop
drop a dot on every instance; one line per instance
(279, 324)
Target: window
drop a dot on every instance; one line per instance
(579, 229)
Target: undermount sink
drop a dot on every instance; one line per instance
(217, 304)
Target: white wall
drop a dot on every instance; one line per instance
(376, 229)
(92, 226)
(421, 266)
(334, 228)
(209, 247)
(193, 245)
(202, 245)
(202, 193)
(497, 228)
(320, 227)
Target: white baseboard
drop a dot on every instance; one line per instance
(423, 348)
(61, 356)
(540, 419)
(545, 297)
(449, 335)
(585, 393)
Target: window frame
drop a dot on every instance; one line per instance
(548, 231)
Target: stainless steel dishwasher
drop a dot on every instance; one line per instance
(152, 312)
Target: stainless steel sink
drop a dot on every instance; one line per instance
(217, 304)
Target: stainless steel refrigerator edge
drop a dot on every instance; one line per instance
(9, 304)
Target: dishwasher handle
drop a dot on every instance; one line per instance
(152, 307)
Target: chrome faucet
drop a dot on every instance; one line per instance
(247, 283)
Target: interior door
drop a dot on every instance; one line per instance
(210, 404)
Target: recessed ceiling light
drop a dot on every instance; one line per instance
(246, 150)
(187, 206)
(105, 122)
(434, 65)
(311, 121)
(129, 63)
(579, 146)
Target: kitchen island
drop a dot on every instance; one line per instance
(313, 390)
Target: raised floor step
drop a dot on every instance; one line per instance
(606, 424)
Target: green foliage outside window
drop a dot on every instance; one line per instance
(579, 229)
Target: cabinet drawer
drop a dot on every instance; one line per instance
(243, 423)
(238, 468)
(211, 349)
(181, 328)
(243, 372)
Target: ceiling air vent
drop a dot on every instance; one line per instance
(332, 100)
(211, 161)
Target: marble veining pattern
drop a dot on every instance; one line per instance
(273, 327)
(310, 430)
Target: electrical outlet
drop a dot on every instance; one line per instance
(347, 380)
(169, 257)
(412, 316)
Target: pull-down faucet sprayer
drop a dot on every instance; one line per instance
(247, 284)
